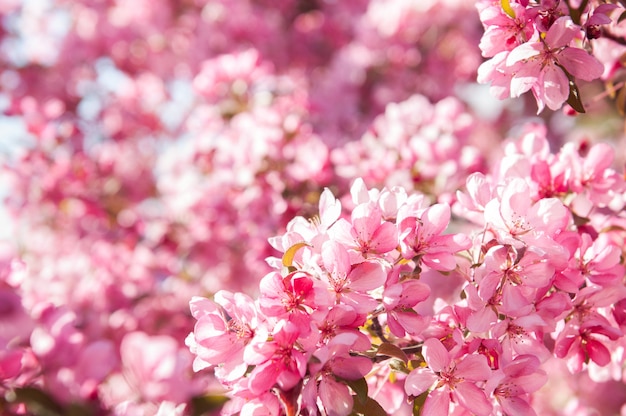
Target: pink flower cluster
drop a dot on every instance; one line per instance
(543, 47)
(381, 307)
(150, 148)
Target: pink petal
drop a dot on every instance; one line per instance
(437, 403)
(285, 334)
(472, 398)
(598, 353)
(599, 158)
(413, 293)
(335, 397)
(532, 382)
(516, 406)
(473, 368)
(435, 220)
(440, 261)
(367, 276)
(481, 320)
(201, 306)
(329, 207)
(564, 345)
(351, 368)
(580, 63)
(366, 219)
(435, 354)
(488, 285)
(524, 52)
(411, 322)
(336, 259)
(10, 363)
(419, 380)
(385, 238)
(561, 32)
(264, 376)
(554, 87)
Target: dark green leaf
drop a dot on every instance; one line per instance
(621, 17)
(201, 405)
(399, 366)
(418, 403)
(360, 388)
(76, 409)
(574, 97)
(370, 408)
(38, 402)
(391, 350)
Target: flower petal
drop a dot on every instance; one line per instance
(472, 398)
(435, 354)
(419, 380)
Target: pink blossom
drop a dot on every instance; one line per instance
(581, 338)
(366, 233)
(222, 331)
(422, 238)
(513, 384)
(154, 367)
(503, 32)
(293, 297)
(449, 380)
(399, 299)
(351, 283)
(539, 65)
(338, 319)
(276, 362)
(518, 220)
(334, 363)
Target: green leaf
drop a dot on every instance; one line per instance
(418, 403)
(399, 366)
(201, 405)
(506, 6)
(574, 96)
(621, 17)
(38, 402)
(359, 386)
(291, 253)
(370, 408)
(391, 350)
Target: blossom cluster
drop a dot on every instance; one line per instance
(158, 147)
(547, 47)
(380, 306)
(150, 148)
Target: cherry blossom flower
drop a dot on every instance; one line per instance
(421, 237)
(450, 380)
(223, 330)
(540, 65)
(366, 233)
(351, 283)
(334, 363)
(277, 361)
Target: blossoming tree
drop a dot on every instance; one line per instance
(308, 207)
